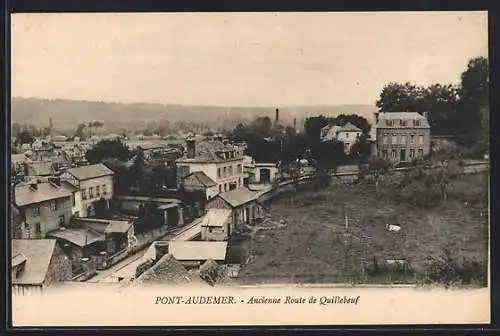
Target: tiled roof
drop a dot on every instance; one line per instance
(350, 127)
(203, 179)
(89, 172)
(45, 191)
(77, 236)
(166, 271)
(198, 250)
(206, 151)
(102, 225)
(239, 196)
(406, 116)
(38, 253)
(215, 217)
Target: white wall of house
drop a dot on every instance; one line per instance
(89, 193)
(349, 138)
(233, 173)
(273, 171)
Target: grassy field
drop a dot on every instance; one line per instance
(304, 239)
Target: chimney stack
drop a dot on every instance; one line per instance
(277, 115)
(376, 117)
(295, 124)
(191, 147)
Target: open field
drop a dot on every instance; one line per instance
(304, 240)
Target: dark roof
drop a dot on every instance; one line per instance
(78, 236)
(239, 196)
(406, 116)
(24, 194)
(37, 254)
(350, 127)
(102, 225)
(203, 179)
(166, 271)
(206, 151)
(68, 186)
(91, 171)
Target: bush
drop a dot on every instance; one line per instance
(449, 270)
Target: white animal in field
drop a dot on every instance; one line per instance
(392, 228)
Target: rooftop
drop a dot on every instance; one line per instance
(78, 236)
(37, 254)
(206, 151)
(39, 168)
(90, 171)
(215, 217)
(166, 271)
(349, 127)
(198, 250)
(404, 116)
(239, 196)
(25, 194)
(203, 179)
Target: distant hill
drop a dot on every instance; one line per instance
(66, 114)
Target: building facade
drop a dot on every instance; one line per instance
(94, 182)
(402, 136)
(348, 134)
(220, 162)
(43, 207)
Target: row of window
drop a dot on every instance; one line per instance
(91, 192)
(402, 139)
(227, 155)
(53, 208)
(38, 226)
(229, 186)
(402, 123)
(228, 171)
(396, 154)
(348, 135)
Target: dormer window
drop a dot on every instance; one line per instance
(402, 123)
(416, 122)
(388, 123)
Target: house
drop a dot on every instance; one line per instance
(259, 172)
(94, 244)
(37, 264)
(192, 254)
(199, 181)
(43, 207)
(221, 162)
(402, 136)
(167, 271)
(215, 225)
(171, 209)
(95, 182)
(243, 204)
(348, 134)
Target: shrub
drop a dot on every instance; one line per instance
(449, 270)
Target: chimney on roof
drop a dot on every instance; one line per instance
(191, 147)
(277, 115)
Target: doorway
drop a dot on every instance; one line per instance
(265, 175)
(403, 155)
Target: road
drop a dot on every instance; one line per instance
(127, 267)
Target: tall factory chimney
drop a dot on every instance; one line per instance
(191, 147)
(277, 115)
(295, 124)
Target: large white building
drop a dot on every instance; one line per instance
(93, 182)
(222, 163)
(348, 134)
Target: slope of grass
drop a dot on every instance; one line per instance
(312, 245)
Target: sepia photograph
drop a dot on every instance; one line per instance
(249, 168)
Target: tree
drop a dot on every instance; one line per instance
(396, 97)
(474, 102)
(25, 137)
(441, 102)
(107, 149)
(361, 148)
(79, 132)
(122, 176)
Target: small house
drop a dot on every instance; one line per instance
(216, 224)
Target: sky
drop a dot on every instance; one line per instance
(239, 59)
